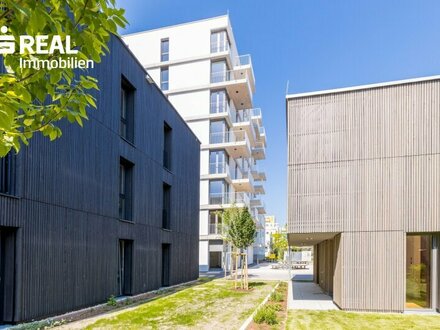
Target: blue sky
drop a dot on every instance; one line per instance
(313, 44)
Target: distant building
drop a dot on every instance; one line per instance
(271, 227)
(110, 209)
(199, 69)
(363, 173)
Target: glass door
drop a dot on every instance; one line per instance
(418, 271)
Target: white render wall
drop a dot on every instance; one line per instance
(189, 68)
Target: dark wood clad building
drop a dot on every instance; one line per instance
(364, 170)
(108, 209)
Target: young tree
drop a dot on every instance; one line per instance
(33, 101)
(239, 230)
(279, 244)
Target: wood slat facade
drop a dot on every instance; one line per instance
(64, 217)
(363, 172)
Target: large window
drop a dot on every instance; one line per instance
(218, 71)
(166, 206)
(418, 271)
(164, 76)
(126, 128)
(167, 135)
(219, 101)
(164, 50)
(125, 190)
(218, 131)
(219, 41)
(218, 192)
(215, 222)
(7, 174)
(218, 162)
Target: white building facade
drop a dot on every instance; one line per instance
(198, 67)
(271, 227)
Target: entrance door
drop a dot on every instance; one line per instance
(7, 274)
(165, 264)
(125, 267)
(418, 271)
(215, 260)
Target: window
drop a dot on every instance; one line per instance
(166, 264)
(215, 222)
(218, 162)
(219, 101)
(7, 174)
(125, 274)
(218, 71)
(218, 192)
(218, 131)
(167, 131)
(125, 189)
(166, 208)
(164, 75)
(127, 110)
(164, 50)
(219, 41)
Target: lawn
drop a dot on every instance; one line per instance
(212, 305)
(337, 320)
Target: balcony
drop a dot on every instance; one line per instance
(243, 181)
(259, 189)
(259, 151)
(236, 143)
(218, 171)
(221, 111)
(238, 85)
(225, 200)
(244, 62)
(261, 135)
(261, 208)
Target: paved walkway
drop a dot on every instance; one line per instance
(308, 295)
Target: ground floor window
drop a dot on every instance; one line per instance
(418, 271)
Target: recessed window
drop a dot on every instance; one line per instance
(167, 135)
(219, 41)
(164, 50)
(219, 101)
(125, 190)
(166, 208)
(126, 128)
(7, 174)
(164, 76)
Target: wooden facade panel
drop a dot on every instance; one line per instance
(67, 213)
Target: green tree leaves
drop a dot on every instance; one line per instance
(35, 100)
(239, 228)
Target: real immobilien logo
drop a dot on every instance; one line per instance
(42, 45)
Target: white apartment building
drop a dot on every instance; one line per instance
(271, 227)
(198, 67)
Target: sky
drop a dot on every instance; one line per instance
(313, 45)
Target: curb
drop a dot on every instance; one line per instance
(250, 318)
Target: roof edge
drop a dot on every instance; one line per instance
(361, 87)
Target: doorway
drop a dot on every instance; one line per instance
(125, 267)
(7, 274)
(215, 260)
(418, 271)
(165, 265)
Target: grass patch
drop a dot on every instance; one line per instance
(339, 320)
(214, 304)
(266, 314)
(277, 296)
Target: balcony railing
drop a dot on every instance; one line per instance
(215, 229)
(229, 198)
(228, 137)
(218, 48)
(243, 60)
(262, 130)
(219, 168)
(220, 108)
(224, 76)
(246, 114)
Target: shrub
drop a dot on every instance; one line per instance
(276, 296)
(266, 314)
(112, 301)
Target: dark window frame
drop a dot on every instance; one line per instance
(166, 207)
(126, 190)
(167, 146)
(127, 110)
(8, 174)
